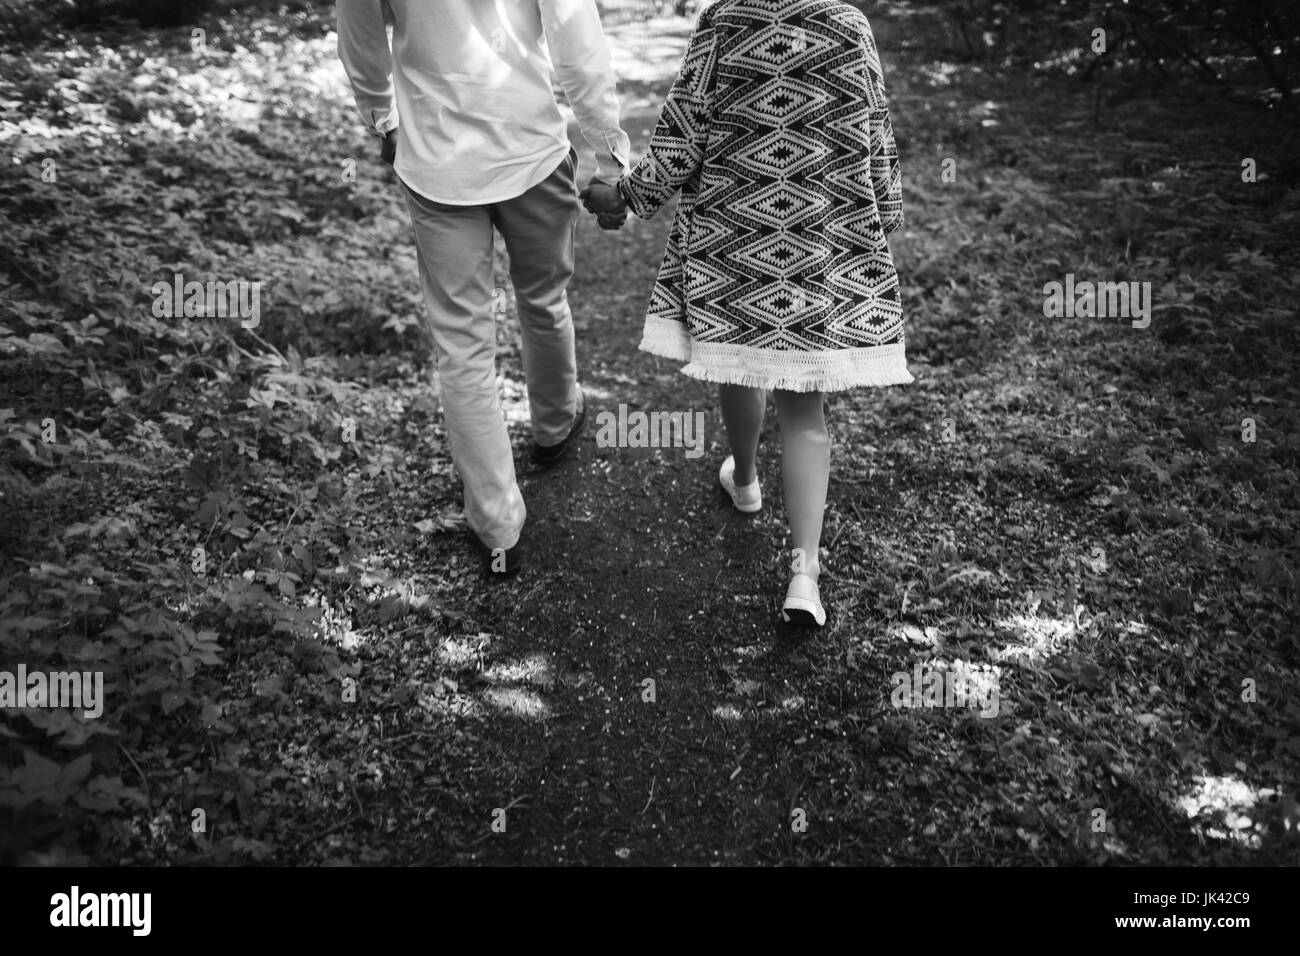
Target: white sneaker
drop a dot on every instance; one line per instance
(748, 499)
(803, 603)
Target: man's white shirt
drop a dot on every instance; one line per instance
(470, 81)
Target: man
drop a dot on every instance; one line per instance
(464, 104)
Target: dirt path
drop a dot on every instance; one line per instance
(639, 571)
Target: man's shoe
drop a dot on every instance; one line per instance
(550, 454)
(498, 563)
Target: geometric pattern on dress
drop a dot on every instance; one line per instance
(777, 134)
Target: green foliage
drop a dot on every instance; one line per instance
(1240, 45)
(128, 441)
(26, 22)
(148, 13)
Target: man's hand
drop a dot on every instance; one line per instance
(604, 200)
(388, 149)
(600, 197)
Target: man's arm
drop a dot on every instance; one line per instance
(363, 50)
(582, 60)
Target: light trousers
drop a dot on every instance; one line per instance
(454, 246)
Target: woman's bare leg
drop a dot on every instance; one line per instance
(805, 469)
(742, 414)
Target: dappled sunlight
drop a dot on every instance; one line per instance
(312, 614)
(179, 93)
(526, 702)
(648, 51)
(1069, 60)
(518, 702)
(444, 704)
(1038, 637)
(335, 625)
(385, 584)
(985, 111)
(514, 400)
(1225, 805)
(597, 395)
(534, 669)
(727, 712)
(939, 73)
(462, 653)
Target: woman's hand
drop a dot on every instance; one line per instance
(604, 200)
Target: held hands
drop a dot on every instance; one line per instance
(604, 200)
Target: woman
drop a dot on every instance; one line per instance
(777, 275)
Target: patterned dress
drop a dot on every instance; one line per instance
(777, 272)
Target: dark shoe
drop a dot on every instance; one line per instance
(550, 454)
(498, 563)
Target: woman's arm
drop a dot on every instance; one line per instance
(677, 147)
(886, 173)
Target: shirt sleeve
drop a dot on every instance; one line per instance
(368, 61)
(886, 171)
(584, 66)
(677, 146)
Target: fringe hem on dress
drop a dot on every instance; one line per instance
(771, 381)
(667, 339)
(836, 371)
